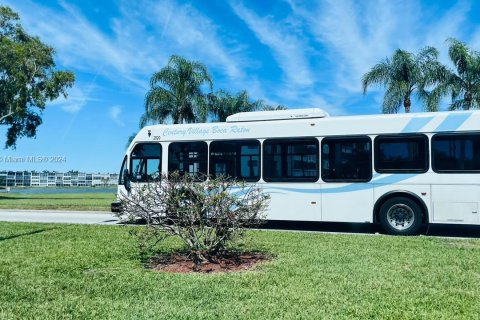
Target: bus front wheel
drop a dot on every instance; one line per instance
(401, 216)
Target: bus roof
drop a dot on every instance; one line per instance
(290, 114)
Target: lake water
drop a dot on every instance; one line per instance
(60, 190)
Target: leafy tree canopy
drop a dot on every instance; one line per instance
(176, 93)
(223, 104)
(403, 75)
(28, 78)
(463, 83)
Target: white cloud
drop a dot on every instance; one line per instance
(475, 41)
(291, 50)
(137, 42)
(194, 35)
(321, 47)
(309, 98)
(356, 36)
(287, 48)
(79, 43)
(352, 36)
(115, 113)
(142, 38)
(449, 25)
(76, 99)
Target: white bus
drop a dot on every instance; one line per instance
(401, 171)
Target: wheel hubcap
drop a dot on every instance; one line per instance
(400, 216)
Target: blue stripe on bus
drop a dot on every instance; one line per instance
(394, 178)
(391, 179)
(415, 124)
(453, 121)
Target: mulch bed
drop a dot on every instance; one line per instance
(180, 263)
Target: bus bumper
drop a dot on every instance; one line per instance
(116, 206)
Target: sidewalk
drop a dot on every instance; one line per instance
(58, 216)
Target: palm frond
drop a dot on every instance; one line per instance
(158, 98)
(379, 75)
(457, 105)
(393, 99)
(165, 77)
(459, 53)
(431, 100)
(176, 92)
(427, 54)
(130, 139)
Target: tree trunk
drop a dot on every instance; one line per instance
(407, 103)
(467, 100)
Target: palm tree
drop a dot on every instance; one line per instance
(223, 104)
(176, 93)
(403, 75)
(463, 84)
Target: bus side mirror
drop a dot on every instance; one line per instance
(126, 180)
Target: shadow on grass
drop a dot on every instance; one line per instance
(24, 234)
(449, 230)
(439, 230)
(321, 226)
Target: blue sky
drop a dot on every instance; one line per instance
(294, 53)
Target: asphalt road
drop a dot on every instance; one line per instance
(57, 216)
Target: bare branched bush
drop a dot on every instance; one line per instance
(206, 216)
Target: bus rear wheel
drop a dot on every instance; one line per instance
(401, 216)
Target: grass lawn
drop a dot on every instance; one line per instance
(84, 272)
(59, 201)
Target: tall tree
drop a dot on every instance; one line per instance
(404, 75)
(462, 84)
(28, 78)
(176, 93)
(222, 104)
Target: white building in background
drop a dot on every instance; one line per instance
(56, 179)
(34, 179)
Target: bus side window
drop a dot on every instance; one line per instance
(290, 160)
(347, 159)
(456, 152)
(188, 158)
(239, 159)
(401, 153)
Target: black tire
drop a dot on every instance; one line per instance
(400, 216)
